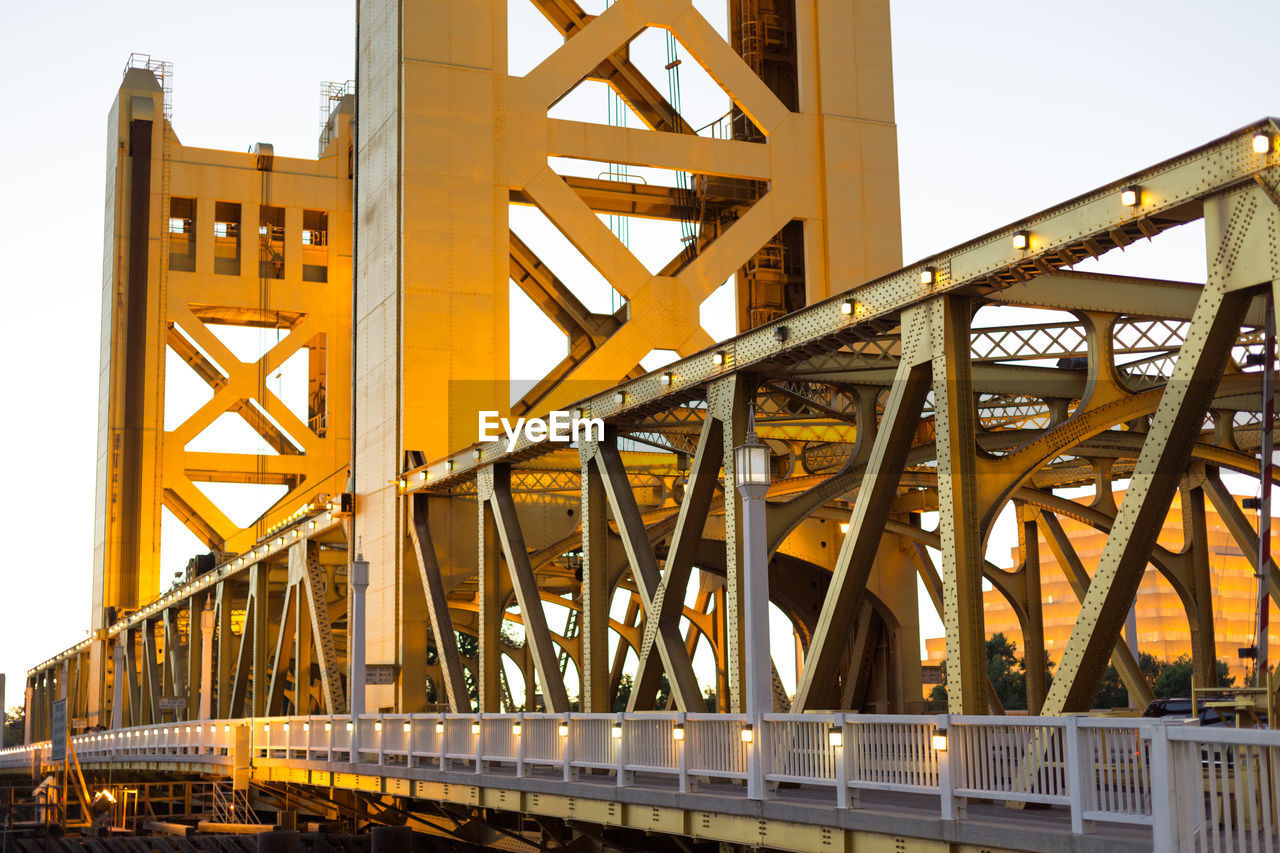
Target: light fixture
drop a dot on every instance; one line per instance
(1130, 196)
(440, 727)
(928, 275)
(717, 358)
(306, 727)
(475, 453)
(286, 728)
(407, 727)
(449, 465)
(620, 397)
(751, 461)
(266, 727)
(350, 727)
(563, 730)
(328, 727)
(846, 307)
(844, 527)
(577, 414)
(226, 729)
(667, 378)
(401, 483)
(515, 729)
(940, 741)
(677, 732)
(1262, 143)
(835, 736)
(747, 734)
(615, 731)
(377, 727)
(475, 728)
(1021, 239)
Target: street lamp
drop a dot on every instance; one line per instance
(751, 476)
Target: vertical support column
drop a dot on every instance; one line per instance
(490, 605)
(356, 644)
(958, 517)
(226, 655)
(261, 688)
(727, 400)
(595, 697)
(1204, 646)
(1033, 637)
(207, 629)
(119, 693)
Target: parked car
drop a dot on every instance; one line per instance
(1176, 706)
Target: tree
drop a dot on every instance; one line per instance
(1007, 671)
(1175, 678)
(14, 726)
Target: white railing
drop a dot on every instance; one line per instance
(1198, 788)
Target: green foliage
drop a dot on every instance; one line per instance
(1166, 678)
(14, 723)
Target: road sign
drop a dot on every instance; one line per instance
(173, 703)
(380, 673)
(79, 724)
(59, 731)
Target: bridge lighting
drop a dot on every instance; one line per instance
(844, 527)
(226, 729)
(475, 727)
(440, 727)
(1262, 143)
(846, 307)
(1130, 196)
(328, 727)
(449, 465)
(717, 358)
(266, 727)
(620, 397)
(1021, 240)
(928, 275)
(408, 727)
(286, 727)
(747, 734)
(677, 732)
(350, 726)
(667, 378)
(563, 730)
(615, 731)
(377, 727)
(515, 729)
(940, 741)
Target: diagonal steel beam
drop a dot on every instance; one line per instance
(1165, 453)
(283, 658)
(537, 634)
(866, 525)
(644, 570)
(668, 601)
(1073, 569)
(322, 632)
(1239, 527)
(438, 605)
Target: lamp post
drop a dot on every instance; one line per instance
(751, 475)
(359, 583)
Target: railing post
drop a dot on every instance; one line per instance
(441, 738)
(568, 750)
(682, 755)
(946, 782)
(1164, 832)
(841, 760)
(755, 759)
(478, 730)
(520, 746)
(1077, 761)
(620, 753)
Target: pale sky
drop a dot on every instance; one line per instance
(1003, 108)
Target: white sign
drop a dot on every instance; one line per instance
(173, 703)
(559, 426)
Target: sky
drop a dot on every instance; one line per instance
(1003, 108)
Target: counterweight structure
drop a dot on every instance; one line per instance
(501, 578)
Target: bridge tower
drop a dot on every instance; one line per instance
(803, 191)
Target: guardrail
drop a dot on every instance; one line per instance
(1198, 788)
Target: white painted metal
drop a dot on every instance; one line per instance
(1200, 789)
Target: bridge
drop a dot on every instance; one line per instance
(379, 644)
